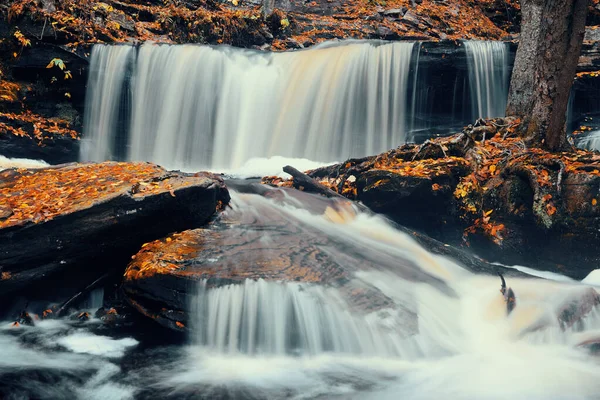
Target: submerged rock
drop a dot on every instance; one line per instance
(73, 223)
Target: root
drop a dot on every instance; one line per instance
(429, 143)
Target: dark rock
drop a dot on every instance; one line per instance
(375, 17)
(385, 32)
(395, 12)
(53, 150)
(25, 319)
(293, 44)
(411, 18)
(82, 316)
(123, 21)
(76, 222)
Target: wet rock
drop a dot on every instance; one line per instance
(163, 278)
(54, 150)
(82, 316)
(123, 20)
(24, 319)
(76, 222)
(545, 209)
(576, 306)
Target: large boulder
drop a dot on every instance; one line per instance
(62, 227)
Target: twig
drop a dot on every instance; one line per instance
(429, 142)
(87, 289)
(43, 28)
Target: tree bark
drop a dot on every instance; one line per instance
(551, 38)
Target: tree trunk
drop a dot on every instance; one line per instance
(551, 38)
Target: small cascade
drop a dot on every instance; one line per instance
(96, 299)
(260, 317)
(591, 141)
(488, 77)
(201, 106)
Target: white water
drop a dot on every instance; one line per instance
(199, 106)
(591, 141)
(103, 101)
(276, 340)
(488, 77)
(299, 340)
(6, 162)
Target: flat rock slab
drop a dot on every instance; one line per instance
(268, 243)
(62, 226)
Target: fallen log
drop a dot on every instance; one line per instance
(308, 184)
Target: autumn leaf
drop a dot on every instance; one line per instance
(58, 62)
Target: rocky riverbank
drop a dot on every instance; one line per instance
(484, 189)
(61, 228)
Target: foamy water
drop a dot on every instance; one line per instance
(443, 332)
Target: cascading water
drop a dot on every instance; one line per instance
(199, 106)
(280, 339)
(591, 141)
(273, 339)
(105, 102)
(278, 319)
(488, 77)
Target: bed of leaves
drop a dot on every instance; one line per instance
(34, 196)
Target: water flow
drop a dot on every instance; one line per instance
(199, 106)
(281, 318)
(262, 333)
(591, 141)
(104, 100)
(488, 77)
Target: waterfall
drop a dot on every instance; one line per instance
(104, 101)
(591, 141)
(201, 106)
(260, 317)
(488, 77)
(96, 299)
